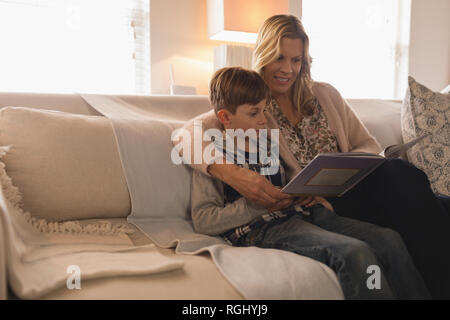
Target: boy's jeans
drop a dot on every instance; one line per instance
(349, 247)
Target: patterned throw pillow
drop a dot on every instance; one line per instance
(425, 111)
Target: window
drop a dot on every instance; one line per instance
(99, 46)
(359, 46)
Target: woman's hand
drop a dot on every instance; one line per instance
(251, 185)
(309, 201)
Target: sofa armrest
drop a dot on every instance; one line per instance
(3, 278)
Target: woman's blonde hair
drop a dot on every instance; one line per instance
(267, 51)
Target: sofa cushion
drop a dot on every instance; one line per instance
(446, 90)
(381, 118)
(425, 111)
(66, 166)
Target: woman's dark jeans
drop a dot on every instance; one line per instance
(398, 196)
(445, 201)
(351, 248)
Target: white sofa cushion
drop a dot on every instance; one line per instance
(446, 90)
(381, 118)
(66, 166)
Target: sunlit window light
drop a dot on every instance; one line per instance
(73, 46)
(359, 46)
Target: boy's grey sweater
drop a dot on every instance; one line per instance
(210, 214)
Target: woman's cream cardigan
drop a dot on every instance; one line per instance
(351, 134)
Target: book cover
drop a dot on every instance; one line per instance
(333, 174)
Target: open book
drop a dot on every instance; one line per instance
(333, 174)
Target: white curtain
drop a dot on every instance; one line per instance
(95, 46)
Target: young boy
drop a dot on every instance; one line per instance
(351, 248)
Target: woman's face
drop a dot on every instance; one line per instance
(281, 74)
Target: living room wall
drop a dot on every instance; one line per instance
(178, 33)
(178, 30)
(429, 55)
(179, 36)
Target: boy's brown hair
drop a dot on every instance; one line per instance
(231, 87)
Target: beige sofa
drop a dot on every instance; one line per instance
(199, 278)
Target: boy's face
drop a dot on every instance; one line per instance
(247, 116)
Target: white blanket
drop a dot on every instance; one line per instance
(160, 194)
(37, 262)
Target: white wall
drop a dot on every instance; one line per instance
(429, 54)
(178, 33)
(179, 36)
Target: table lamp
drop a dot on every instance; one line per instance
(237, 22)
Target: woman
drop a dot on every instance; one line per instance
(314, 118)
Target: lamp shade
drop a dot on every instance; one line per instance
(231, 55)
(240, 20)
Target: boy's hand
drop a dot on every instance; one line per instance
(250, 185)
(280, 205)
(309, 201)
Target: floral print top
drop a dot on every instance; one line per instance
(309, 137)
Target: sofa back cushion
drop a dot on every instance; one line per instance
(66, 166)
(381, 118)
